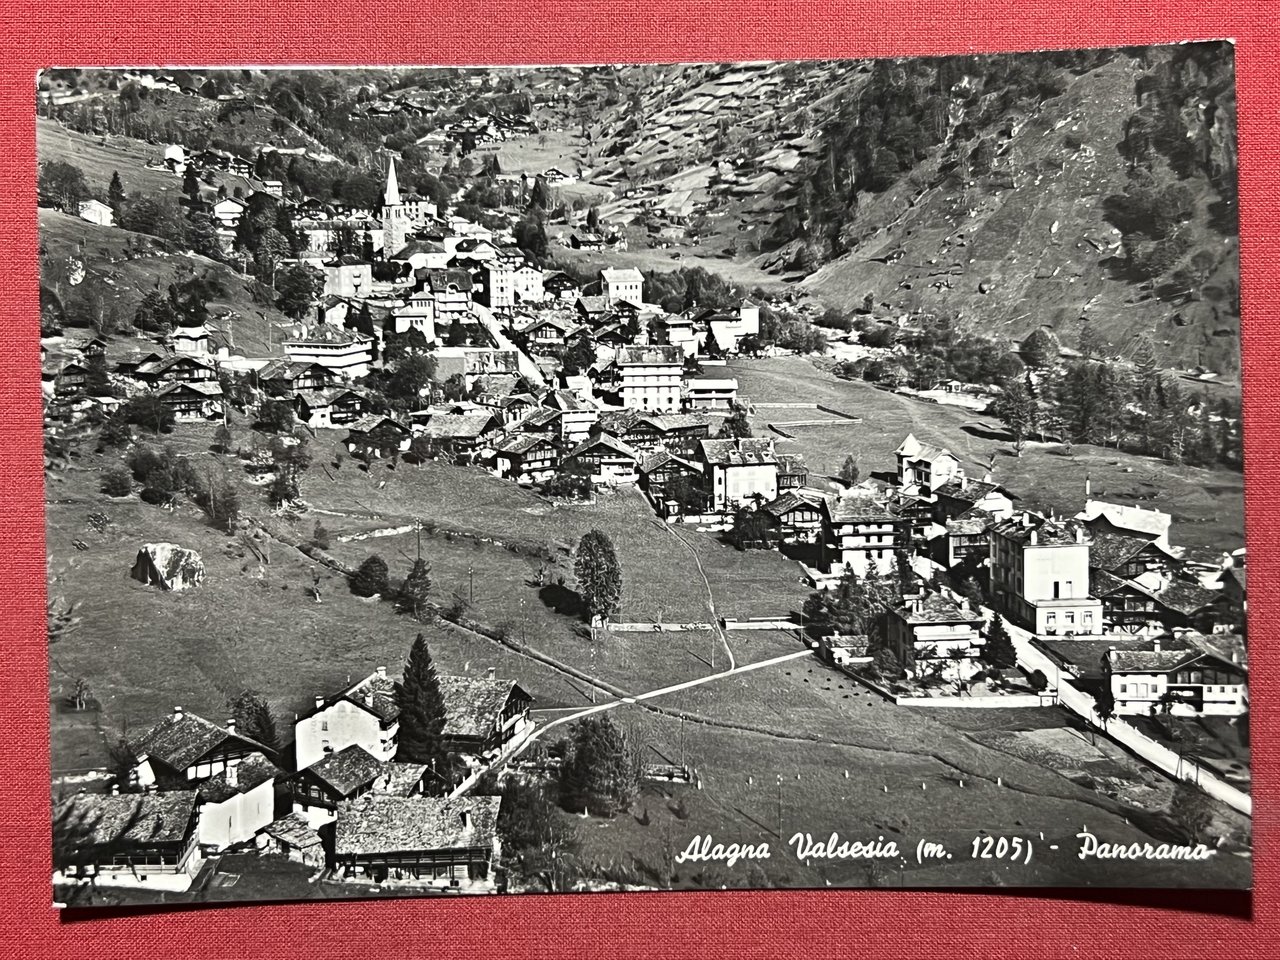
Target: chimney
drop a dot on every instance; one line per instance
(319, 701)
(493, 673)
(1155, 644)
(1088, 487)
(231, 724)
(1235, 656)
(1079, 534)
(464, 815)
(382, 673)
(177, 713)
(115, 789)
(233, 775)
(1034, 538)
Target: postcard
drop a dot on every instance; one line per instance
(665, 477)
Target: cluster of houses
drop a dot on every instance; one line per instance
(346, 807)
(1104, 591)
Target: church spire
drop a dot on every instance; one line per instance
(391, 197)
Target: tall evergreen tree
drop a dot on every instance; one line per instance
(116, 194)
(601, 772)
(416, 589)
(998, 651)
(422, 715)
(254, 718)
(371, 578)
(599, 574)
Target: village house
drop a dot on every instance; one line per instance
(472, 362)
(95, 211)
(934, 633)
(675, 330)
(586, 240)
(859, 533)
(649, 377)
(609, 460)
(483, 714)
(796, 516)
(726, 329)
(561, 286)
(924, 467)
(377, 437)
(236, 804)
(739, 471)
(959, 495)
(176, 369)
(1233, 604)
(576, 416)
(450, 292)
(423, 255)
(678, 433)
(660, 469)
(192, 341)
(284, 378)
(592, 310)
(465, 434)
(316, 790)
(528, 283)
(793, 472)
(968, 536)
(1040, 575)
(711, 393)
(69, 381)
(622, 284)
(1189, 683)
(193, 401)
(364, 715)
(549, 335)
(293, 838)
(331, 407)
(348, 353)
(347, 276)
(187, 748)
(424, 842)
(127, 839)
(1100, 516)
(526, 457)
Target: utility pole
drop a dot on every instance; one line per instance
(779, 807)
(417, 529)
(471, 590)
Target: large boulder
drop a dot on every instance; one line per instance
(168, 566)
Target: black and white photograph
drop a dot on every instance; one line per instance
(560, 479)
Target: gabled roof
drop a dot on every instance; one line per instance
(860, 508)
(130, 819)
(567, 401)
(1148, 524)
(253, 771)
(667, 422)
(294, 830)
(1111, 550)
(520, 443)
(622, 275)
(473, 705)
(608, 442)
(790, 501)
(464, 426)
(661, 458)
(348, 770)
(792, 463)
(207, 388)
(1187, 598)
(368, 423)
(377, 823)
(935, 608)
(1161, 661)
(179, 740)
(745, 451)
(969, 491)
(1049, 532)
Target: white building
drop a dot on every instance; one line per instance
(1190, 682)
(622, 284)
(363, 715)
(649, 377)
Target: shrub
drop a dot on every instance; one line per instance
(116, 481)
(371, 579)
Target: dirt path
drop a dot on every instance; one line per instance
(711, 600)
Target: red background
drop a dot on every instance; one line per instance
(767, 924)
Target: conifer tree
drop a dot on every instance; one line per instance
(415, 589)
(599, 574)
(422, 715)
(601, 772)
(998, 651)
(116, 194)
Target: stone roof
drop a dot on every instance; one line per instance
(935, 608)
(1186, 597)
(251, 772)
(520, 443)
(347, 770)
(970, 523)
(466, 426)
(130, 818)
(1150, 661)
(1149, 524)
(664, 422)
(1048, 531)
(1110, 550)
(206, 388)
(180, 739)
(609, 442)
(378, 824)
(790, 501)
(474, 705)
(400, 779)
(745, 451)
(792, 463)
(970, 491)
(294, 830)
(857, 509)
(367, 423)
